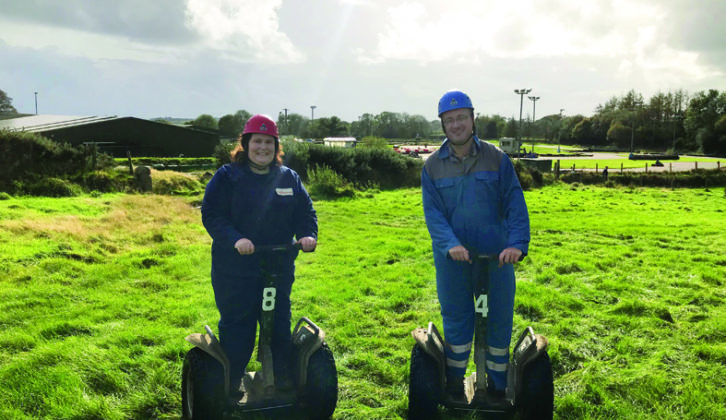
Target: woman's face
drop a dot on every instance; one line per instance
(261, 149)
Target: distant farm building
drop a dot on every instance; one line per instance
(119, 135)
(509, 145)
(346, 142)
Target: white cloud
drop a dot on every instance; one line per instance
(244, 30)
(76, 43)
(631, 33)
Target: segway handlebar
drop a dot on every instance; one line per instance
(278, 248)
(474, 255)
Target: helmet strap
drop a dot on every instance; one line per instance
(258, 168)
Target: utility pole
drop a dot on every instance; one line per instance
(521, 93)
(287, 129)
(534, 100)
(36, 103)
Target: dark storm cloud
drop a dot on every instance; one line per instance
(155, 21)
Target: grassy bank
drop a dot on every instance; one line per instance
(97, 294)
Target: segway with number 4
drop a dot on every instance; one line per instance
(529, 392)
(206, 384)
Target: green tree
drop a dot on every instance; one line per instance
(234, 123)
(328, 127)
(373, 142)
(704, 111)
(510, 130)
(204, 121)
(619, 135)
(6, 106)
(296, 124)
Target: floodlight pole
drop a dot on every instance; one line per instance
(312, 112)
(534, 108)
(521, 93)
(36, 103)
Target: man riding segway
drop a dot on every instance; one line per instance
(473, 205)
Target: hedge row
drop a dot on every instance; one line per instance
(34, 165)
(697, 178)
(362, 166)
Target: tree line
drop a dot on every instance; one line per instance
(672, 122)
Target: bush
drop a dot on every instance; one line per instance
(324, 182)
(5, 196)
(221, 153)
(104, 181)
(53, 187)
(28, 161)
(174, 183)
(373, 142)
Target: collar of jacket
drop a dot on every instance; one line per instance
(444, 150)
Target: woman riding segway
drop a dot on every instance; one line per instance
(255, 201)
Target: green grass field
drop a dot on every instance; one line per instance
(97, 295)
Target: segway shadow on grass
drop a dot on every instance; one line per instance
(530, 390)
(206, 385)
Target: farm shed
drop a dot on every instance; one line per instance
(117, 135)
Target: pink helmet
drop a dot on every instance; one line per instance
(261, 124)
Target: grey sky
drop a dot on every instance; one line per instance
(182, 58)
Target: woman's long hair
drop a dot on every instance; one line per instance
(239, 153)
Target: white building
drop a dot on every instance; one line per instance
(347, 142)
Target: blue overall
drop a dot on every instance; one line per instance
(476, 202)
(267, 209)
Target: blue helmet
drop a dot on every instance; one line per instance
(454, 99)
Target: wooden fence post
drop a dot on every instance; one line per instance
(131, 165)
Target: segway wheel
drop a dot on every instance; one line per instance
(424, 386)
(537, 395)
(321, 389)
(202, 386)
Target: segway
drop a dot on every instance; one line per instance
(206, 387)
(529, 392)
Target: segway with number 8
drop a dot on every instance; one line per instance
(529, 392)
(206, 392)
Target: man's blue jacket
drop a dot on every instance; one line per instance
(476, 202)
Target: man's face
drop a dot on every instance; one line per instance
(458, 125)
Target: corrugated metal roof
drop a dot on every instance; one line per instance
(40, 123)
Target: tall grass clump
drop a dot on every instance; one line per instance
(324, 182)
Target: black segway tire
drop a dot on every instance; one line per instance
(424, 386)
(537, 395)
(321, 388)
(202, 386)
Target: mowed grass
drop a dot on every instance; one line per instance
(97, 295)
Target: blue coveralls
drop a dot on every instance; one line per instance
(476, 202)
(267, 209)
